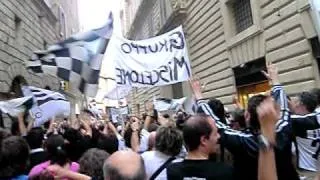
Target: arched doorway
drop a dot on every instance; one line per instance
(16, 84)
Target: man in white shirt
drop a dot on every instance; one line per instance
(307, 140)
(168, 144)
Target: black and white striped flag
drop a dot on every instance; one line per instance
(47, 104)
(78, 59)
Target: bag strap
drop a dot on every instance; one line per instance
(161, 168)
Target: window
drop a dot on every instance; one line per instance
(242, 15)
(18, 28)
(45, 44)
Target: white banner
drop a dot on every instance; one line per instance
(157, 61)
(164, 104)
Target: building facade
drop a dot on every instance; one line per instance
(26, 26)
(230, 42)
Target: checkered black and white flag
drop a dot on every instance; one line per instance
(47, 104)
(78, 59)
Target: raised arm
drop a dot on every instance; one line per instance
(22, 127)
(267, 117)
(233, 140)
(278, 94)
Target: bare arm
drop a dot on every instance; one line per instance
(22, 127)
(268, 119)
(135, 144)
(61, 173)
(267, 166)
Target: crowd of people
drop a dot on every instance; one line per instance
(274, 137)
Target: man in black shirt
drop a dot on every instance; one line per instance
(201, 137)
(244, 145)
(37, 153)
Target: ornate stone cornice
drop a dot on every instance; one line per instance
(176, 18)
(45, 11)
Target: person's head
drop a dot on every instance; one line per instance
(168, 140)
(180, 119)
(128, 131)
(124, 165)
(56, 150)
(152, 140)
(316, 92)
(74, 144)
(201, 134)
(218, 108)
(108, 143)
(238, 121)
(304, 103)
(14, 155)
(91, 163)
(35, 137)
(251, 115)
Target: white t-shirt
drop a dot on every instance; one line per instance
(144, 136)
(307, 148)
(152, 162)
(307, 154)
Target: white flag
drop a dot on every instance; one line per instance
(47, 104)
(15, 106)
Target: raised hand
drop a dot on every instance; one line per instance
(268, 117)
(196, 88)
(272, 74)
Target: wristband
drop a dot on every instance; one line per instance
(264, 144)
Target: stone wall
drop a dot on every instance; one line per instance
(23, 29)
(280, 33)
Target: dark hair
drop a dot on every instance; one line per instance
(309, 100)
(109, 143)
(168, 140)
(114, 174)
(35, 137)
(74, 147)
(14, 156)
(91, 163)
(56, 150)
(127, 137)
(89, 112)
(253, 103)
(316, 92)
(218, 109)
(194, 128)
(238, 116)
(180, 119)
(153, 127)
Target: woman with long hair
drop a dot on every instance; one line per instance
(57, 155)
